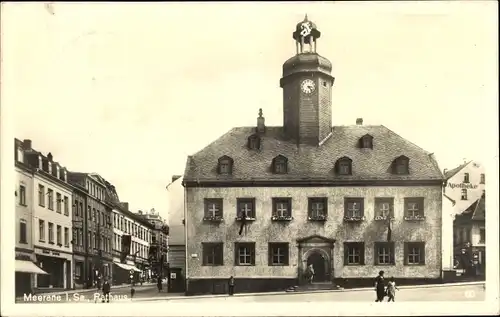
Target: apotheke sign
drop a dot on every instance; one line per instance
(462, 186)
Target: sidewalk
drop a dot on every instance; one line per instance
(181, 296)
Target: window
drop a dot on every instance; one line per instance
(245, 253)
(482, 235)
(41, 230)
(94, 238)
(464, 194)
(41, 195)
(50, 194)
(59, 237)
(89, 213)
(366, 142)
(278, 253)
(414, 208)
(94, 215)
(254, 142)
(213, 208)
(466, 177)
(22, 195)
(483, 180)
(66, 237)
(344, 166)
(282, 208)
(414, 253)
(384, 207)
(51, 233)
(213, 253)
(318, 208)
(354, 253)
(384, 253)
(246, 208)
(353, 207)
(66, 206)
(280, 165)
(23, 232)
(20, 154)
(58, 202)
(225, 165)
(401, 165)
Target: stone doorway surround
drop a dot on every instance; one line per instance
(315, 244)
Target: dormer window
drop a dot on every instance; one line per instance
(225, 165)
(280, 165)
(40, 162)
(401, 165)
(366, 142)
(20, 154)
(254, 142)
(344, 166)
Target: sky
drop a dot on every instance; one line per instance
(129, 90)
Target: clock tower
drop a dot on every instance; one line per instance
(307, 88)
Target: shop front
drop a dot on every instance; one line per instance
(58, 266)
(122, 272)
(26, 270)
(79, 271)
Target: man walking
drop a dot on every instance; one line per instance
(231, 285)
(380, 287)
(106, 289)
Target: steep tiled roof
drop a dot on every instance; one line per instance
(479, 211)
(312, 162)
(449, 174)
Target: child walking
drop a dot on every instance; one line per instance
(391, 290)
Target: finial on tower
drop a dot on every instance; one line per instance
(260, 113)
(261, 125)
(306, 32)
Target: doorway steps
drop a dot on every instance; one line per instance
(317, 286)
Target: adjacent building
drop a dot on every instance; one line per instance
(158, 252)
(51, 220)
(263, 203)
(463, 188)
(25, 266)
(97, 227)
(177, 236)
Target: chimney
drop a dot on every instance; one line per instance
(359, 121)
(140, 212)
(27, 144)
(175, 177)
(445, 170)
(261, 126)
(49, 157)
(124, 205)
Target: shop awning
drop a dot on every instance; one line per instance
(127, 267)
(28, 267)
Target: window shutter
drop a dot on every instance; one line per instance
(422, 250)
(274, 206)
(346, 250)
(253, 254)
(289, 207)
(405, 207)
(345, 207)
(220, 254)
(309, 207)
(406, 253)
(362, 206)
(362, 253)
(421, 206)
(269, 254)
(236, 247)
(287, 254)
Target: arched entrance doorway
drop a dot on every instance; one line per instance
(320, 266)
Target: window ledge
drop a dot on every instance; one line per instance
(278, 264)
(245, 264)
(381, 218)
(51, 242)
(415, 264)
(41, 241)
(280, 218)
(213, 219)
(318, 218)
(354, 264)
(212, 264)
(388, 264)
(23, 242)
(246, 218)
(414, 218)
(24, 205)
(354, 219)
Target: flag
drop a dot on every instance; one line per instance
(389, 228)
(243, 222)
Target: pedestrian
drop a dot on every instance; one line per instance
(159, 284)
(380, 287)
(231, 285)
(311, 273)
(391, 289)
(106, 289)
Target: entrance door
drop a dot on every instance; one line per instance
(319, 264)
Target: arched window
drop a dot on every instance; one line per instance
(401, 165)
(366, 142)
(225, 165)
(343, 166)
(280, 165)
(253, 142)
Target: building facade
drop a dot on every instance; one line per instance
(98, 227)
(82, 271)
(463, 186)
(177, 236)
(52, 220)
(158, 244)
(139, 231)
(263, 203)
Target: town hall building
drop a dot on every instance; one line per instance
(263, 203)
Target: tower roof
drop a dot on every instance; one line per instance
(304, 29)
(306, 62)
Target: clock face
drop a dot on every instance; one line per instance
(307, 86)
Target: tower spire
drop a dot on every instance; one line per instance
(306, 32)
